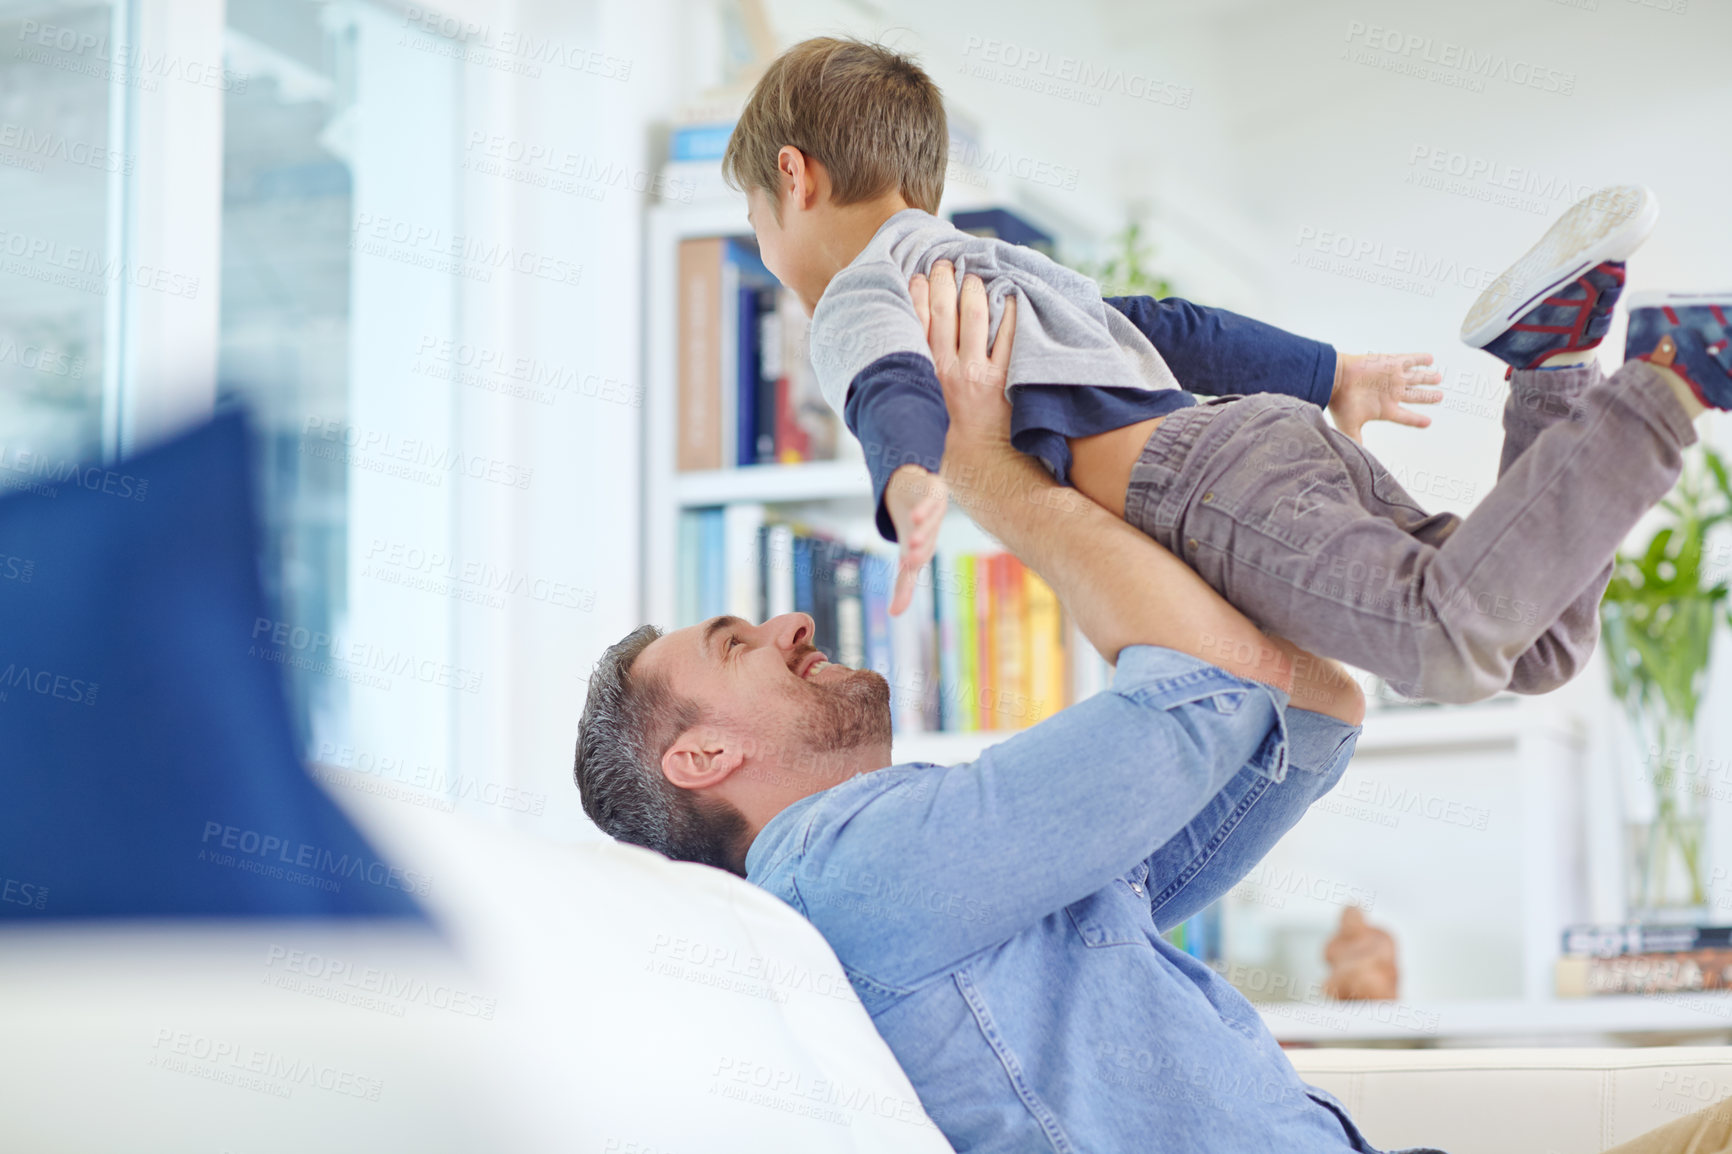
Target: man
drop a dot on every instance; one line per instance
(1001, 920)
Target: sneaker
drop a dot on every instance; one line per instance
(1558, 297)
(1689, 334)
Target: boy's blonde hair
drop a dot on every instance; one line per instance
(870, 116)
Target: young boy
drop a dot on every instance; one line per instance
(841, 151)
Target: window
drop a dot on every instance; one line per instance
(58, 270)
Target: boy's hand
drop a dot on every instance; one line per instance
(1376, 386)
(915, 500)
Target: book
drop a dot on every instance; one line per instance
(967, 652)
(850, 611)
(778, 565)
(698, 430)
(944, 621)
(1668, 973)
(986, 642)
(770, 357)
(1043, 642)
(805, 596)
(824, 624)
(688, 571)
(728, 351)
(1011, 700)
(748, 359)
(793, 443)
(1609, 941)
(877, 575)
(742, 536)
(712, 566)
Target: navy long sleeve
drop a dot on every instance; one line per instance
(895, 406)
(1220, 353)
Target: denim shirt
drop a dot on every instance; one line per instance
(1001, 919)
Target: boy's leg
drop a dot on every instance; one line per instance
(1271, 507)
(1545, 316)
(1540, 398)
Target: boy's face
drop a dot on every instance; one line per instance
(779, 243)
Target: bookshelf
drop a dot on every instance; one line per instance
(775, 484)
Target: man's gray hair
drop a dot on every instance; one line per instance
(628, 723)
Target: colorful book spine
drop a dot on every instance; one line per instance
(967, 654)
(699, 390)
(877, 573)
(1012, 648)
(1044, 645)
(986, 641)
(944, 620)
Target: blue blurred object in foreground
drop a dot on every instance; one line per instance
(147, 762)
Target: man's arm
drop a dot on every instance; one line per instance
(1120, 586)
(947, 861)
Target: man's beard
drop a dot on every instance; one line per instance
(845, 714)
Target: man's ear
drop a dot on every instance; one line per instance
(701, 757)
(798, 176)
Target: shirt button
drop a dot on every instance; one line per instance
(1135, 888)
(1192, 542)
(1207, 497)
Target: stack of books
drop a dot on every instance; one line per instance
(984, 647)
(747, 394)
(1644, 959)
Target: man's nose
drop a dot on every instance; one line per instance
(790, 631)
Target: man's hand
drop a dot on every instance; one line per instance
(915, 500)
(1376, 386)
(973, 385)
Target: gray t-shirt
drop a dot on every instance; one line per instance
(1065, 333)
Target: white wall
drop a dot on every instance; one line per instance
(577, 522)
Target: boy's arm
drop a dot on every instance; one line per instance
(870, 351)
(896, 411)
(1220, 353)
(1217, 352)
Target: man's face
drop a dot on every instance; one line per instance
(795, 714)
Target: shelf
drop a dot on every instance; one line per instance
(816, 481)
(1561, 1018)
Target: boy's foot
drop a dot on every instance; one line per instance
(1687, 333)
(1557, 299)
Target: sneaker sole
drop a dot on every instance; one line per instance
(1609, 225)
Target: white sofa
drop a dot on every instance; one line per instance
(599, 999)
(1518, 1101)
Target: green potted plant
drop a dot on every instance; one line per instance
(1660, 616)
(1127, 269)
